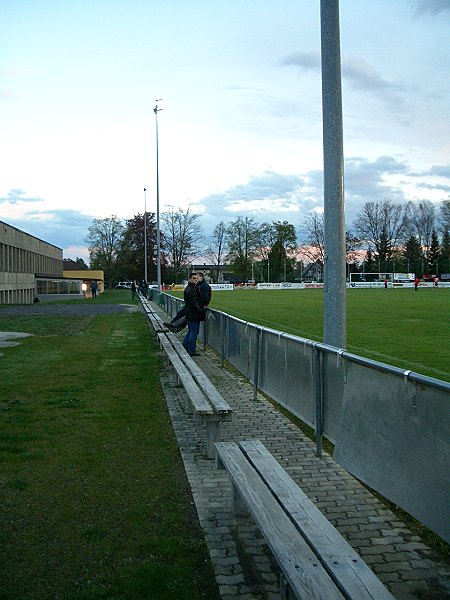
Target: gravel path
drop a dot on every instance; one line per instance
(49, 309)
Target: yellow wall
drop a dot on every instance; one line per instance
(87, 275)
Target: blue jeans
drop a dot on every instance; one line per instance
(190, 339)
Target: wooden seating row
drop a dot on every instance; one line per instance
(205, 401)
(315, 560)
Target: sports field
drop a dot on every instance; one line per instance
(401, 327)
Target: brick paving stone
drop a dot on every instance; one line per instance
(241, 558)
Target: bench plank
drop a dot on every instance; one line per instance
(216, 398)
(200, 403)
(345, 566)
(304, 572)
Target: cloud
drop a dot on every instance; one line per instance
(62, 228)
(358, 72)
(17, 196)
(8, 94)
(430, 186)
(440, 170)
(367, 181)
(263, 194)
(273, 196)
(431, 7)
(304, 60)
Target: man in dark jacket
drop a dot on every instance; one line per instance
(194, 313)
(179, 321)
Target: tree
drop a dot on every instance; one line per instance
(445, 214)
(413, 254)
(182, 238)
(243, 240)
(81, 262)
(370, 265)
(434, 253)
(283, 244)
(445, 252)
(383, 225)
(104, 241)
(353, 257)
(217, 247)
(132, 252)
(422, 219)
(313, 225)
(277, 259)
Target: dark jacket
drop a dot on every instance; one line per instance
(205, 292)
(193, 304)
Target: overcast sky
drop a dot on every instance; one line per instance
(240, 131)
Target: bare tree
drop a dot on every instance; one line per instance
(422, 220)
(383, 225)
(104, 241)
(182, 238)
(217, 246)
(445, 214)
(315, 239)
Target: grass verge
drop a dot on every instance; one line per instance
(95, 501)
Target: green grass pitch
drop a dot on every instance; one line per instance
(402, 327)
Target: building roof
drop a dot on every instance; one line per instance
(71, 265)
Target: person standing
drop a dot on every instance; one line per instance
(179, 321)
(194, 313)
(205, 289)
(94, 289)
(416, 283)
(133, 290)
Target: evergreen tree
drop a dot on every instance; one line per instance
(445, 253)
(413, 255)
(434, 253)
(370, 265)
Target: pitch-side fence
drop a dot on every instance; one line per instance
(390, 427)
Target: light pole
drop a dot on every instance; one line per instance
(145, 235)
(158, 233)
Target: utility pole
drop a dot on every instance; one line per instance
(158, 231)
(145, 235)
(335, 330)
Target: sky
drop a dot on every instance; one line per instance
(240, 125)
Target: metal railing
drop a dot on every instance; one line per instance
(390, 426)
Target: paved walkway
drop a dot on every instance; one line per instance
(241, 559)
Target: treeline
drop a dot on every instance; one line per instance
(385, 237)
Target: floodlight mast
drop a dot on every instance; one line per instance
(145, 235)
(335, 331)
(158, 232)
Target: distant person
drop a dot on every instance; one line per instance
(133, 290)
(416, 283)
(179, 321)
(436, 282)
(194, 313)
(36, 300)
(94, 289)
(385, 283)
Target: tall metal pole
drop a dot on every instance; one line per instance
(335, 330)
(145, 235)
(158, 232)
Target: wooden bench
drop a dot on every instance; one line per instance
(315, 560)
(206, 402)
